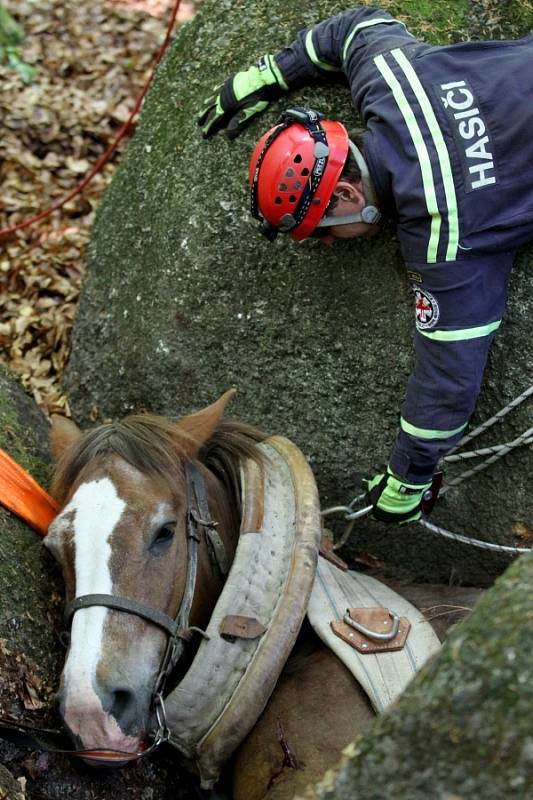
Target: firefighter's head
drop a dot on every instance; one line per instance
(308, 179)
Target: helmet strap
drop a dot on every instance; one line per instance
(370, 213)
(310, 119)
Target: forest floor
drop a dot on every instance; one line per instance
(90, 62)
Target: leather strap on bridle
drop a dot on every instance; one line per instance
(158, 618)
(198, 518)
(58, 741)
(178, 630)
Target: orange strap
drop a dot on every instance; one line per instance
(23, 496)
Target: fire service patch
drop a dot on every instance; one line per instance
(426, 309)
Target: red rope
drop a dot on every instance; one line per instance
(104, 158)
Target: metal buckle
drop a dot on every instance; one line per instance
(379, 637)
(205, 523)
(431, 495)
(305, 116)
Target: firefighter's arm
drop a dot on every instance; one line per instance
(332, 49)
(319, 53)
(459, 307)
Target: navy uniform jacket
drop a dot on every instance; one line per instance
(449, 146)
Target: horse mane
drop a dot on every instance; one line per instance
(231, 442)
(152, 443)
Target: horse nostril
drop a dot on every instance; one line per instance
(123, 706)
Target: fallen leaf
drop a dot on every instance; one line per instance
(523, 531)
(28, 688)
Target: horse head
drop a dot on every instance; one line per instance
(124, 533)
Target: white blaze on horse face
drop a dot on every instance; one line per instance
(97, 510)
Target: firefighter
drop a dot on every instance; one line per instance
(446, 154)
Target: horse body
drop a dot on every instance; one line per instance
(123, 532)
(316, 710)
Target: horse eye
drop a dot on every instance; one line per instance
(165, 533)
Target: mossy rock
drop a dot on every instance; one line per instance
(30, 584)
(183, 298)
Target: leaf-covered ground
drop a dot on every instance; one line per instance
(91, 60)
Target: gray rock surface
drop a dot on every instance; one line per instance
(183, 298)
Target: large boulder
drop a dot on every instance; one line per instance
(462, 728)
(183, 298)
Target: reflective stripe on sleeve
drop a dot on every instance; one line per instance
(425, 433)
(311, 52)
(367, 24)
(277, 72)
(461, 335)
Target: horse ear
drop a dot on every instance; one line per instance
(64, 432)
(198, 427)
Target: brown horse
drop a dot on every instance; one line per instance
(123, 533)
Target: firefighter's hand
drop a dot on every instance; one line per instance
(241, 97)
(393, 500)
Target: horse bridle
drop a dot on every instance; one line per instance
(177, 629)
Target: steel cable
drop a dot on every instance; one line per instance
(494, 453)
(492, 421)
(469, 540)
(501, 451)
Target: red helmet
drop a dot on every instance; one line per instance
(293, 171)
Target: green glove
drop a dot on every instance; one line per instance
(241, 97)
(394, 500)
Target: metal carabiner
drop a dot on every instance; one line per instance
(356, 513)
(351, 514)
(361, 512)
